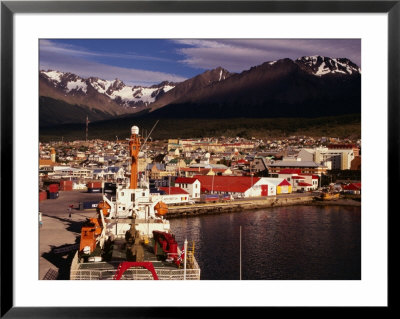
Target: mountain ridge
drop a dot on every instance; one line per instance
(307, 86)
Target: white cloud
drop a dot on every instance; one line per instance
(73, 50)
(240, 54)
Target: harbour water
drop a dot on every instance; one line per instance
(281, 243)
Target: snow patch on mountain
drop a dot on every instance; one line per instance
(168, 88)
(116, 90)
(129, 94)
(77, 85)
(322, 70)
(320, 66)
(53, 75)
(100, 85)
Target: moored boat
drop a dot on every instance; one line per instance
(329, 196)
(130, 238)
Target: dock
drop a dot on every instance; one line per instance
(239, 205)
(59, 235)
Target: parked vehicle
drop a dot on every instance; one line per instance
(214, 198)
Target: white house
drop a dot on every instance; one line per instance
(191, 185)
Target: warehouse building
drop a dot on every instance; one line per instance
(243, 186)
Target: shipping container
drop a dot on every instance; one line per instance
(42, 195)
(53, 188)
(94, 185)
(46, 183)
(66, 185)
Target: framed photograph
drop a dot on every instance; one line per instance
(68, 65)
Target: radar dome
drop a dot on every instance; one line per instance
(135, 130)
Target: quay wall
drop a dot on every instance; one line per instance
(233, 206)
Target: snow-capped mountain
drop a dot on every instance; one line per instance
(320, 66)
(306, 87)
(116, 90)
(133, 96)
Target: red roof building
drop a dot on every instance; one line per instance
(185, 180)
(298, 177)
(174, 191)
(354, 188)
(226, 184)
(191, 185)
(304, 184)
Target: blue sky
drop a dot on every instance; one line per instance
(151, 61)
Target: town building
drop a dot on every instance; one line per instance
(190, 185)
(333, 158)
(352, 188)
(259, 164)
(305, 167)
(205, 169)
(300, 182)
(237, 186)
(243, 186)
(356, 163)
(157, 170)
(282, 186)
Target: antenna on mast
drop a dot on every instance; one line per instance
(149, 134)
(87, 127)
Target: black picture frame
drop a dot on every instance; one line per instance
(9, 8)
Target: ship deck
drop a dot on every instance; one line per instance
(105, 270)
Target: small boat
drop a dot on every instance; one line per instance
(329, 196)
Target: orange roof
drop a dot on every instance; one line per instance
(46, 162)
(202, 171)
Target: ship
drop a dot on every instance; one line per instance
(329, 196)
(130, 238)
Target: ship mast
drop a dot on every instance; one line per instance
(134, 146)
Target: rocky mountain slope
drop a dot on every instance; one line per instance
(306, 87)
(310, 86)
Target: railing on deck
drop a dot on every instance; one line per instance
(192, 272)
(135, 274)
